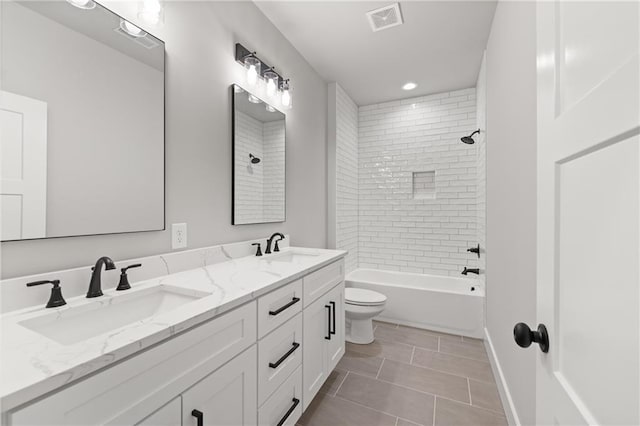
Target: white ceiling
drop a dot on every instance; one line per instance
(439, 47)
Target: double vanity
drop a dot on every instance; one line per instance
(244, 341)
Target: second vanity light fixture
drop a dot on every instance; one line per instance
(257, 70)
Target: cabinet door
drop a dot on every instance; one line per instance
(226, 397)
(168, 415)
(336, 346)
(314, 349)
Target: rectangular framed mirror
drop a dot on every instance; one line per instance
(259, 160)
(82, 122)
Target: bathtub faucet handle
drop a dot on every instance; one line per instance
(470, 270)
(475, 250)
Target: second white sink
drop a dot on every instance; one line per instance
(75, 324)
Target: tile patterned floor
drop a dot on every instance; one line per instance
(409, 377)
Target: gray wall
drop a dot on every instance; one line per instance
(511, 195)
(200, 39)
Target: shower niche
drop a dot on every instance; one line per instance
(259, 138)
(424, 185)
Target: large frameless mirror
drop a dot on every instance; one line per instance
(82, 122)
(258, 160)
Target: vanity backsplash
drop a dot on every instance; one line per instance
(15, 295)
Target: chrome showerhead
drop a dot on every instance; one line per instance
(254, 159)
(469, 139)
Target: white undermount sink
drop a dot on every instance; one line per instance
(75, 324)
(293, 256)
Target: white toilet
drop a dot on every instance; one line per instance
(361, 306)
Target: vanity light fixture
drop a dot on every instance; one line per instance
(258, 70)
(132, 30)
(254, 99)
(151, 11)
(286, 94)
(252, 65)
(272, 82)
(82, 4)
(409, 86)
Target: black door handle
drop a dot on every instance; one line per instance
(293, 302)
(296, 401)
(328, 336)
(285, 356)
(524, 336)
(199, 415)
(333, 315)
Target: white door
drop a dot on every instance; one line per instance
(588, 212)
(23, 173)
(316, 331)
(226, 397)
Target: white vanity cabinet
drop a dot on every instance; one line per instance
(323, 340)
(225, 397)
(260, 363)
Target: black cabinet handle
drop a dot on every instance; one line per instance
(523, 336)
(288, 305)
(296, 401)
(199, 415)
(328, 336)
(333, 315)
(285, 356)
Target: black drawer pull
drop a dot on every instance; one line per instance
(285, 356)
(293, 302)
(296, 401)
(333, 304)
(199, 415)
(328, 336)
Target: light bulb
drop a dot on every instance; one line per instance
(272, 82)
(131, 29)
(252, 64)
(252, 74)
(286, 95)
(82, 4)
(151, 12)
(254, 99)
(270, 108)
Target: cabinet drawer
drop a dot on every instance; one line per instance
(285, 405)
(278, 306)
(279, 354)
(131, 390)
(319, 282)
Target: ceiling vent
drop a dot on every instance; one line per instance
(385, 17)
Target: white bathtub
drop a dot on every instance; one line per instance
(446, 304)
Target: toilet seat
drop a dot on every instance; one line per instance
(363, 297)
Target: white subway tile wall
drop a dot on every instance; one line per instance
(248, 177)
(273, 171)
(395, 140)
(259, 195)
(347, 177)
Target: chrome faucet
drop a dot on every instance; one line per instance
(270, 240)
(95, 286)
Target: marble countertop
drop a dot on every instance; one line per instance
(33, 365)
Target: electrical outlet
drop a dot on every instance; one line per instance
(178, 235)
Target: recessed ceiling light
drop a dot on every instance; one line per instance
(409, 86)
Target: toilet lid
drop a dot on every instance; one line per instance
(361, 296)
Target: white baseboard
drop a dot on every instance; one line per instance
(503, 388)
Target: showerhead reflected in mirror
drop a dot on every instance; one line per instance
(259, 160)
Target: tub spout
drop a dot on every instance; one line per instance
(471, 270)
